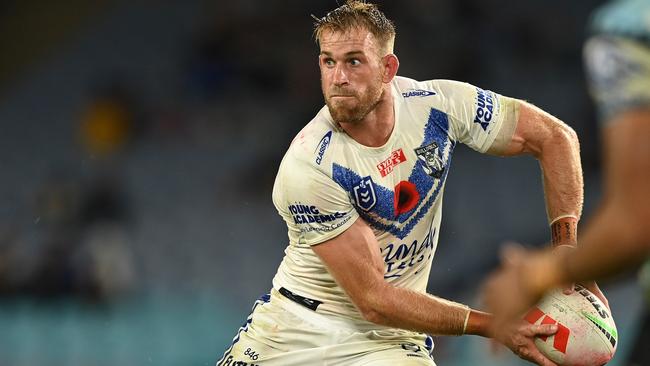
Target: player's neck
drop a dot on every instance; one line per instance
(376, 128)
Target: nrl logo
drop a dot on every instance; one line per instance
(431, 161)
(364, 194)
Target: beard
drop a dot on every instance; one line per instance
(356, 108)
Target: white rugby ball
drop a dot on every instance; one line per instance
(586, 333)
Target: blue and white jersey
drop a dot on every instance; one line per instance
(617, 57)
(327, 180)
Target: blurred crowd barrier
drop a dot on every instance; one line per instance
(152, 329)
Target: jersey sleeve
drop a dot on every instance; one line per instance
(313, 205)
(479, 118)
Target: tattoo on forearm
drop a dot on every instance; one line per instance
(564, 232)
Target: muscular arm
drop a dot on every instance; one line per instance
(556, 147)
(618, 236)
(354, 260)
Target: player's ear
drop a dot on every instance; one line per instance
(390, 63)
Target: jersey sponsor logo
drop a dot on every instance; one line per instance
(306, 214)
(484, 108)
(364, 194)
(324, 227)
(401, 257)
(322, 147)
(417, 93)
(395, 158)
(432, 163)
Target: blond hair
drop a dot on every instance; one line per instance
(358, 14)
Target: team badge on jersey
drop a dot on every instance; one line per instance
(431, 160)
(364, 194)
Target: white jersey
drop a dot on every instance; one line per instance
(327, 180)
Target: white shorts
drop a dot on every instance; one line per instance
(280, 332)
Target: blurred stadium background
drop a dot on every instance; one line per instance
(139, 142)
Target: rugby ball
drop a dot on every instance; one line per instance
(586, 333)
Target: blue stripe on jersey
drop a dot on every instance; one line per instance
(436, 130)
(244, 328)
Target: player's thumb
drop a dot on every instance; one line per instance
(544, 329)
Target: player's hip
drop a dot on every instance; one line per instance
(280, 331)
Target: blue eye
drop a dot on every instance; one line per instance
(355, 62)
(329, 62)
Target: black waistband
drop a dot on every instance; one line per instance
(304, 301)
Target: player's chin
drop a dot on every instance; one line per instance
(344, 114)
